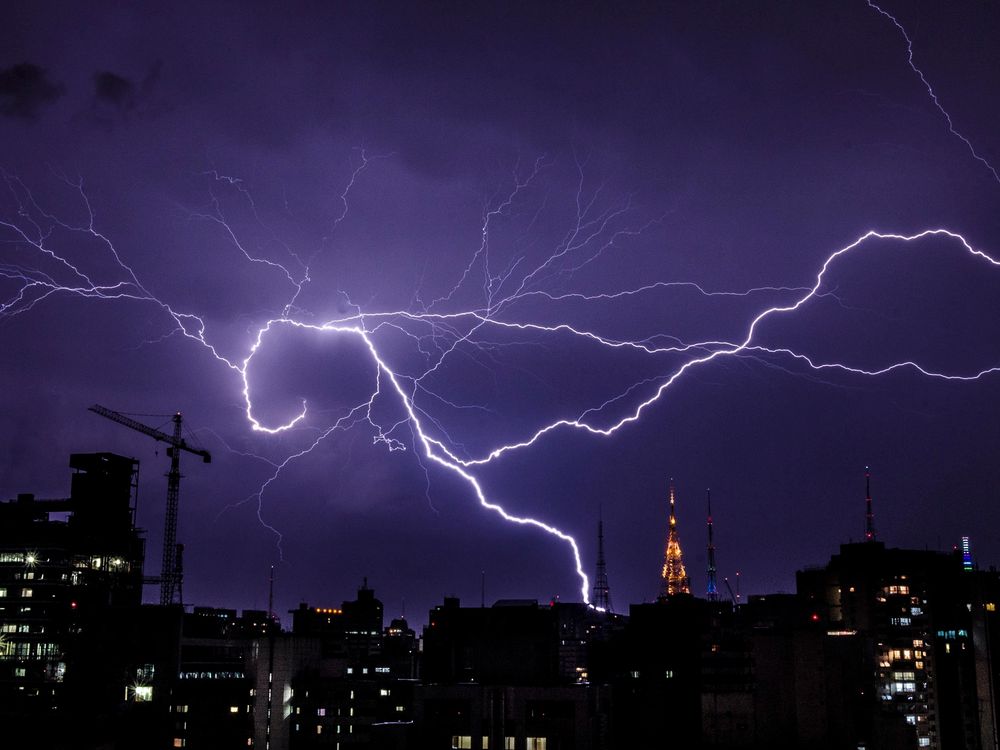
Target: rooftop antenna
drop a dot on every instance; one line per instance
(869, 516)
(602, 592)
(270, 596)
(712, 590)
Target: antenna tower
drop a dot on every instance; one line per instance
(674, 577)
(602, 593)
(712, 590)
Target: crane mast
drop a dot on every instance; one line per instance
(170, 566)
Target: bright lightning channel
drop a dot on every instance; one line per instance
(594, 232)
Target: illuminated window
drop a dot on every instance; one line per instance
(486, 742)
(923, 741)
(400, 709)
(179, 742)
(319, 729)
(143, 693)
(508, 743)
(991, 607)
(321, 712)
(383, 692)
(461, 742)
(20, 672)
(669, 674)
(234, 709)
(181, 709)
(27, 593)
(536, 743)
(3, 593)
(635, 674)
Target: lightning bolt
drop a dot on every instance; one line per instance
(438, 334)
(930, 90)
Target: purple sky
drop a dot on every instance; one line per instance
(733, 146)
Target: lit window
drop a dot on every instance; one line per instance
(182, 709)
(143, 693)
(635, 675)
(991, 607)
(234, 709)
(486, 742)
(400, 709)
(923, 741)
(3, 593)
(536, 743)
(350, 670)
(178, 742)
(508, 743)
(26, 593)
(669, 674)
(383, 692)
(319, 729)
(461, 742)
(20, 672)
(321, 712)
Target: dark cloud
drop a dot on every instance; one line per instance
(113, 89)
(115, 95)
(24, 89)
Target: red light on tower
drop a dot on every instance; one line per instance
(814, 617)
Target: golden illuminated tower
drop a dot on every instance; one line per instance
(675, 579)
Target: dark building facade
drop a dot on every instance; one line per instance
(69, 571)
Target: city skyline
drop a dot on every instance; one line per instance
(434, 182)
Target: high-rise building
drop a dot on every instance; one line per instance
(69, 569)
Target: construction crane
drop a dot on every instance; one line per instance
(170, 568)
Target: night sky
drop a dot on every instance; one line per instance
(522, 163)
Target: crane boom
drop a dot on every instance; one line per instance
(170, 568)
(174, 440)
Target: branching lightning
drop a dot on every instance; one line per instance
(437, 330)
(438, 334)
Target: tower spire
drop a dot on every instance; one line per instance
(712, 590)
(674, 577)
(602, 593)
(869, 516)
